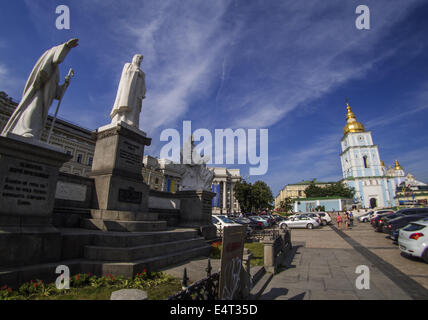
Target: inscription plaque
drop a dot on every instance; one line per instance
(26, 184)
(130, 196)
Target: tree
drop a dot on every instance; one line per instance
(253, 196)
(286, 205)
(243, 194)
(337, 189)
(262, 196)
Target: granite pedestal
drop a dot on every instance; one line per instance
(28, 176)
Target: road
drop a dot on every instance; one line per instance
(323, 263)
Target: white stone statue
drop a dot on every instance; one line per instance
(194, 172)
(42, 87)
(130, 94)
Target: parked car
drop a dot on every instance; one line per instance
(413, 239)
(221, 221)
(379, 212)
(278, 218)
(400, 213)
(378, 221)
(299, 222)
(259, 219)
(401, 222)
(269, 219)
(366, 217)
(325, 218)
(314, 216)
(250, 223)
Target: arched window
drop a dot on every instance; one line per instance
(365, 162)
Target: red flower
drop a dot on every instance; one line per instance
(9, 289)
(4, 287)
(31, 281)
(144, 271)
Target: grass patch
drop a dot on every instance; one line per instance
(158, 286)
(256, 248)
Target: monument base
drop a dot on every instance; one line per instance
(195, 211)
(117, 169)
(29, 173)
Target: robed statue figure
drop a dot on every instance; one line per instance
(42, 87)
(130, 94)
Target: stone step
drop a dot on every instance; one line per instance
(123, 215)
(130, 269)
(123, 226)
(132, 239)
(140, 252)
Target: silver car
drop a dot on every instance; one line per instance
(299, 222)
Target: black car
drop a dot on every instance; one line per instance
(400, 222)
(403, 213)
(379, 220)
(255, 223)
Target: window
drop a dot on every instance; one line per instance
(79, 158)
(365, 162)
(90, 161)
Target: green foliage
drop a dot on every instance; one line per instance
(320, 208)
(90, 287)
(255, 196)
(337, 189)
(286, 205)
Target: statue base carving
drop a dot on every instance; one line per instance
(196, 211)
(28, 176)
(117, 168)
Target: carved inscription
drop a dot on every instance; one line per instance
(130, 196)
(131, 154)
(27, 183)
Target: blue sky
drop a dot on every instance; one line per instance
(282, 65)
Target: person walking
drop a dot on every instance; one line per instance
(346, 220)
(339, 220)
(351, 219)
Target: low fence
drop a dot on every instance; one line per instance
(276, 246)
(205, 289)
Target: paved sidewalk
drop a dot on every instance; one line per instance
(324, 261)
(329, 274)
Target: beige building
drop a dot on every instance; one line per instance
(297, 190)
(223, 185)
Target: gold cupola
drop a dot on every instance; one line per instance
(398, 166)
(352, 125)
(382, 163)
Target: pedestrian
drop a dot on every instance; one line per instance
(345, 220)
(339, 220)
(351, 219)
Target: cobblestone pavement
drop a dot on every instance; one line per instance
(324, 262)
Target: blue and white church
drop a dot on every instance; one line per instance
(363, 170)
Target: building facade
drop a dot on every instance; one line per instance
(363, 169)
(73, 139)
(297, 190)
(223, 185)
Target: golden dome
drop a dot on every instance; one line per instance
(352, 124)
(382, 163)
(398, 166)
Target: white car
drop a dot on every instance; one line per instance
(378, 212)
(366, 217)
(299, 222)
(325, 218)
(221, 221)
(413, 239)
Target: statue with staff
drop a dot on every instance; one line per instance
(42, 87)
